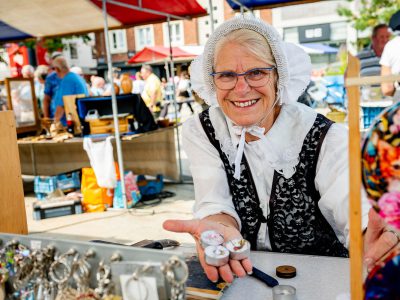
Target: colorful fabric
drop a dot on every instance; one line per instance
(383, 281)
(381, 165)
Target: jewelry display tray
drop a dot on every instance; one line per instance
(102, 252)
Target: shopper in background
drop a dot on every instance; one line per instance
(369, 57)
(70, 84)
(50, 88)
(27, 71)
(390, 59)
(151, 94)
(138, 84)
(40, 78)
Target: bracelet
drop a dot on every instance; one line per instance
(396, 234)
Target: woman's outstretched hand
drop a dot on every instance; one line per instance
(195, 228)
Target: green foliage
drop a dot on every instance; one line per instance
(339, 67)
(55, 43)
(369, 14)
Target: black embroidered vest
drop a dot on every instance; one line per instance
(295, 223)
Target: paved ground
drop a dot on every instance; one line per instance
(122, 225)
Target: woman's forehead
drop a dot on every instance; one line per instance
(232, 55)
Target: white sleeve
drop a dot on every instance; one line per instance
(332, 182)
(212, 193)
(387, 53)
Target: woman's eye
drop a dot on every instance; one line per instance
(254, 74)
(226, 75)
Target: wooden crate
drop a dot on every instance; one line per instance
(99, 126)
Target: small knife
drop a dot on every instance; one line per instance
(267, 279)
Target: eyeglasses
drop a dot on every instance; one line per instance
(255, 78)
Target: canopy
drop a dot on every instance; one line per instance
(41, 18)
(260, 4)
(10, 33)
(157, 53)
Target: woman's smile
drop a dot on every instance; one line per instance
(244, 103)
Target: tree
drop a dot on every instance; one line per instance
(369, 14)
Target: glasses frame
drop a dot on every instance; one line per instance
(241, 74)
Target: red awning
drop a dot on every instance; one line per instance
(43, 18)
(156, 53)
(186, 8)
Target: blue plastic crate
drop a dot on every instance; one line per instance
(370, 113)
(45, 184)
(68, 181)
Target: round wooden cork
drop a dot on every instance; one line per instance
(286, 271)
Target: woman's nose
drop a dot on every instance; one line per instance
(241, 85)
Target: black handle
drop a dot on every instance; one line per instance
(267, 279)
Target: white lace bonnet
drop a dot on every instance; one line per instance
(293, 64)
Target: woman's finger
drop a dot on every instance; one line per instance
(226, 273)
(385, 243)
(188, 226)
(247, 265)
(237, 268)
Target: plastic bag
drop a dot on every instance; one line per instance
(101, 158)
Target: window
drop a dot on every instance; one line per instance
(177, 38)
(118, 41)
(73, 51)
(144, 36)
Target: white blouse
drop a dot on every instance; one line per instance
(276, 151)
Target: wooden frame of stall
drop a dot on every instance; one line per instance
(353, 83)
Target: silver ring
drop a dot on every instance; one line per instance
(136, 277)
(396, 234)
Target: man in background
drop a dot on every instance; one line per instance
(390, 60)
(369, 57)
(51, 84)
(151, 94)
(70, 84)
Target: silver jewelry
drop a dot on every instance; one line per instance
(176, 272)
(137, 277)
(396, 234)
(211, 238)
(239, 249)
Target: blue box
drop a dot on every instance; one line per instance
(68, 181)
(45, 184)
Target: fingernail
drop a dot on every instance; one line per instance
(215, 281)
(250, 272)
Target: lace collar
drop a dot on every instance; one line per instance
(281, 145)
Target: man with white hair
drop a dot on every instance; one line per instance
(71, 84)
(27, 71)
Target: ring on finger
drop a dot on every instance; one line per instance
(396, 234)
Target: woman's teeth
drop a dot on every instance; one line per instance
(244, 103)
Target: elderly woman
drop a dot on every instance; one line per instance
(264, 167)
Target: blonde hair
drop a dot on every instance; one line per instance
(254, 42)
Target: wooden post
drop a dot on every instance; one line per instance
(12, 203)
(356, 239)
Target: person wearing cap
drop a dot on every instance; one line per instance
(265, 167)
(51, 84)
(390, 59)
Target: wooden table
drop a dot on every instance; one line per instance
(318, 277)
(148, 153)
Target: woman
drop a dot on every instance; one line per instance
(264, 166)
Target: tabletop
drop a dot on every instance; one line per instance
(318, 277)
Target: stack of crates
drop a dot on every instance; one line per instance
(44, 185)
(369, 114)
